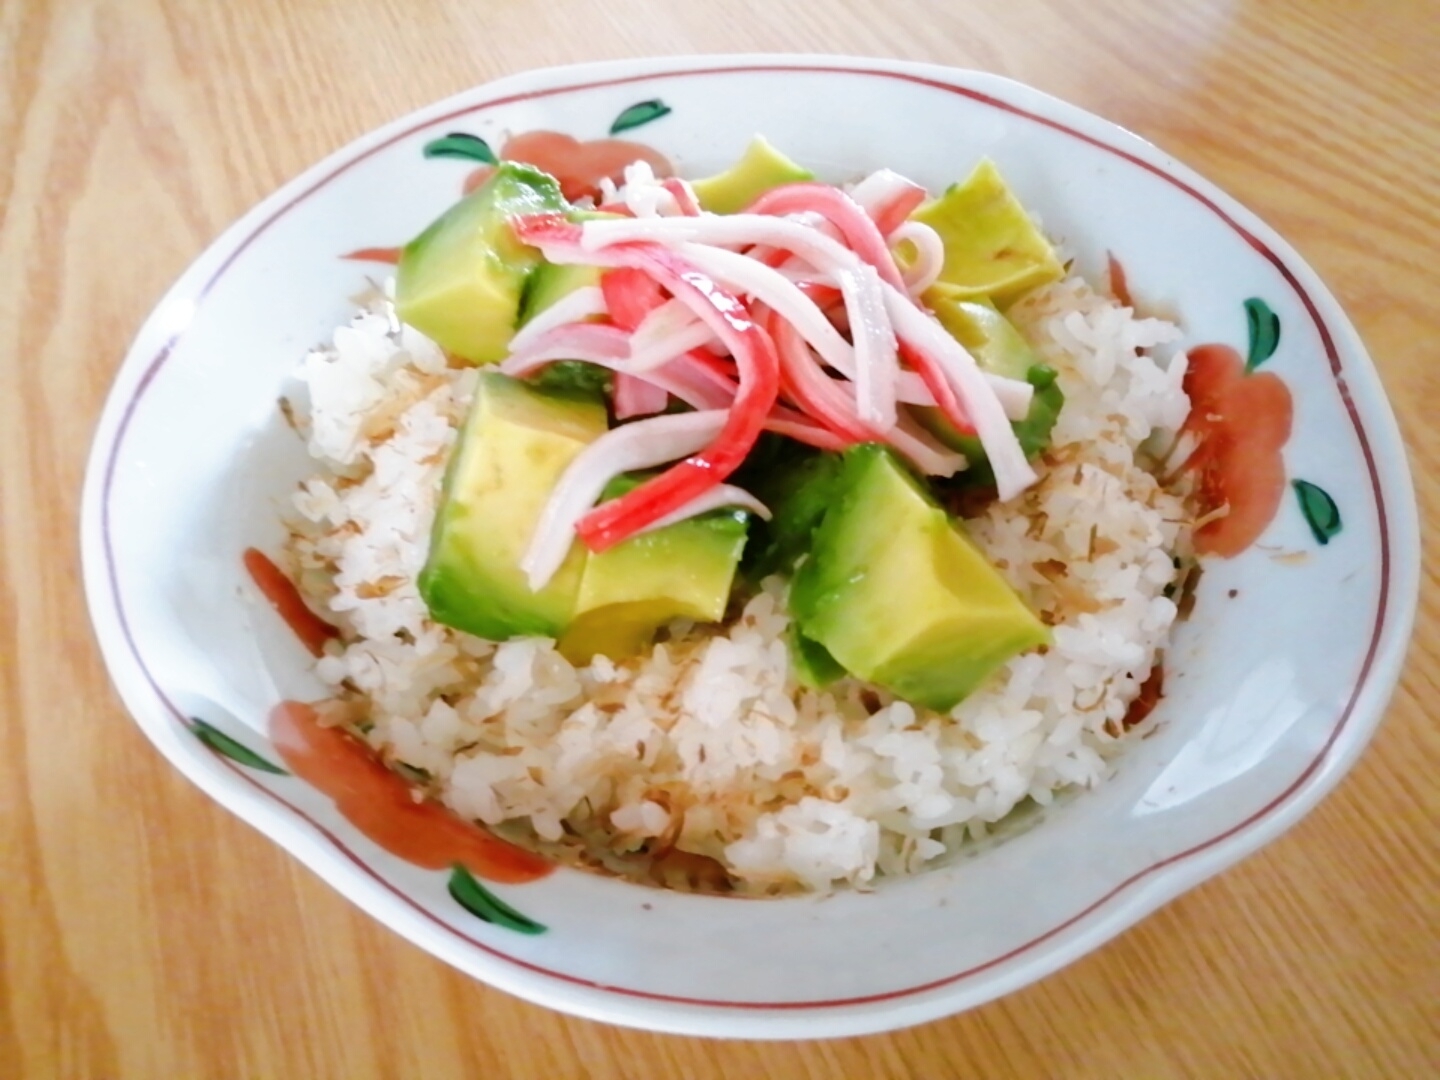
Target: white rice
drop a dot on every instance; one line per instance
(707, 745)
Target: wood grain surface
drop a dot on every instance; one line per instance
(145, 933)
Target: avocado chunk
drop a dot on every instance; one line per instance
(629, 591)
(759, 169)
(1033, 432)
(574, 377)
(516, 441)
(460, 281)
(550, 282)
(898, 595)
(992, 248)
(989, 336)
(813, 664)
(1000, 348)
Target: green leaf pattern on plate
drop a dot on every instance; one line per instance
(484, 904)
(467, 892)
(236, 751)
(1321, 513)
(642, 112)
(1319, 509)
(1264, 328)
(460, 145)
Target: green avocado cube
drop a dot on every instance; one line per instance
(992, 248)
(812, 664)
(761, 168)
(516, 441)
(1000, 348)
(898, 595)
(460, 281)
(551, 282)
(629, 591)
(990, 337)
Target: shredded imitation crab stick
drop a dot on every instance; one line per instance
(733, 315)
(756, 364)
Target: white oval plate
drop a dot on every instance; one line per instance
(1272, 693)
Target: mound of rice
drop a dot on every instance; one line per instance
(704, 764)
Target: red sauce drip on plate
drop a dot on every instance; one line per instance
(383, 806)
(1119, 286)
(1151, 691)
(284, 597)
(1241, 421)
(375, 254)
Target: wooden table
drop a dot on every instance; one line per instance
(145, 933)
